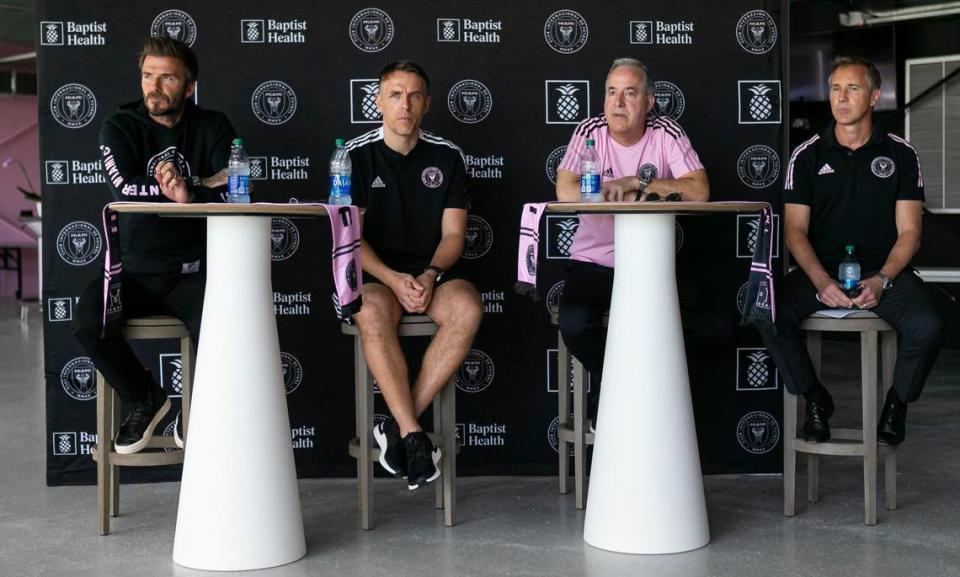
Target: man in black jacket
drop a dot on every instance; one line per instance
(162, 148)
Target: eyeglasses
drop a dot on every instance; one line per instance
(655, 197)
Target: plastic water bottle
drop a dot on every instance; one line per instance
(850, 273)
(238, 174)
(340, 171)
(589, 174)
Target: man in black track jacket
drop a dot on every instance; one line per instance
(162, 148)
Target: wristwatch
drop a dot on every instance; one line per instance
(887, 281)
(435, 269)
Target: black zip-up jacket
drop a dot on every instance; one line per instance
(132, 145)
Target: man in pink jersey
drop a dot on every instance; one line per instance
(640, 154)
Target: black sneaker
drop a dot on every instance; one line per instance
(422, 460)
(178, 431)
(392, 457)
(137, 428)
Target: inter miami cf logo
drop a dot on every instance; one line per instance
(756, 32)
(560, 233)
(478, 237)
(759, 101)
(73, 105)
(758, 166)
(758, 432)
(371, 30)
(51, 33)
(79, 243)
(176, 24)
(566, 31)
(553, 162)
(363, 101)
(641, 32)
(469, 101)
(274, 102)
(476, 373)
(882, 167)
(78, 379)
(668, 99)
(292, 371)
(568, 101)
(284, 239)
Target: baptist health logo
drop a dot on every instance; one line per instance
(660, 32)
(363, 101)
(273, 31)
(72, 443)
(566, 101)
(73, 172)
(68, 33)
(756, 370)
(279, 167)
(469, 31)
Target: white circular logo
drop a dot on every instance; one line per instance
(553, 162)
(79, 243)
(478, 237)
(476, 372)
(668, 99)
(273, 102)
(758, 432)
(469, 101)
(292, 372)
(758, 166)
(566, 31)
(371, 30)
(169, 154)
(432, 177)
(73, 105)
(79, 379)
(176, 24)
(553, 437)
(756, 32)
(883, 167)
(284, 239)
(678, 236)
(554, 295)
(742, 298)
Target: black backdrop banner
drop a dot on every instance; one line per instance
(508, 85)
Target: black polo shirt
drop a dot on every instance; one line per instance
(852, 194)
(405, 196)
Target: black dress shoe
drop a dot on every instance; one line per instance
(892, 427)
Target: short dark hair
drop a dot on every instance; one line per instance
(166, 46)
(405, 66)
(873, 75)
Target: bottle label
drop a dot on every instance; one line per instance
(339, 185)
(238, 185)
(589, 183)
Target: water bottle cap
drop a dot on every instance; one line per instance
(238, 142)
(338, 143)
(590, 142)
(849, 248)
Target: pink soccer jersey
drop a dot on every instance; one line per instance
(664, 152)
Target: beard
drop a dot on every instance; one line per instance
(164, 105)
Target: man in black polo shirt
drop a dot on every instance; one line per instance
(413, 187)
(854, 185)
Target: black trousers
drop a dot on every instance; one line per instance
(905, 307)
(586, 297)
(176, 295)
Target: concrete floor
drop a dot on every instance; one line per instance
(506, 526)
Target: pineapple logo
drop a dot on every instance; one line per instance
(176, 24)
(562, 231)
(368, 105)
(567, 106)
(756, 32)
(52, 33)
(760, 106)
(641, 32)
(448, 30)
(755, 370)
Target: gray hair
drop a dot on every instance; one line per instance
(636, 65)
(873, 75)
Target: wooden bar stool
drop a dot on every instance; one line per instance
(572, 429)
(108, 418)
(444, 435)
(846, 442)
